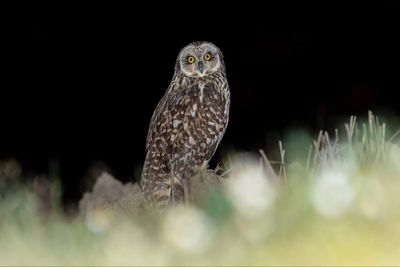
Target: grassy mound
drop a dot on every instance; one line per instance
(334, 201)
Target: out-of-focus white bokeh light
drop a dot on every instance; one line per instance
(250, 190)
(332, 193)
(187, 229)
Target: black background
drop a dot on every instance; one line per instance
(81, 82)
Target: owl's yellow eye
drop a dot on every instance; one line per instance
(191, 59)
(207, 56)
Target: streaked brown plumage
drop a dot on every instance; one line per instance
(187, 125)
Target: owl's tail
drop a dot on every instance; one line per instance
(161, 192)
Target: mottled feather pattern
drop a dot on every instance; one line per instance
(184, 133)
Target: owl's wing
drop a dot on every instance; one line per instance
(158, 116)
(170, 108)
(161, 143)
(155, 118)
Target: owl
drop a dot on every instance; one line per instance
(187, 125)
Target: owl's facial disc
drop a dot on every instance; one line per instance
(199, 59)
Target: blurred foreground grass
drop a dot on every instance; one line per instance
(337, 203)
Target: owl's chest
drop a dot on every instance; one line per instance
(195, 117)
(201, 101)
(204, 94)
(197, 106)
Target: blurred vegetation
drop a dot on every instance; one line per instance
(336, 202)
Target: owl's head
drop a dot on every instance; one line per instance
(199, 59)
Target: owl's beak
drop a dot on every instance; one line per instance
(201, 67)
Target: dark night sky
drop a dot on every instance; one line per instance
(82, 82)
